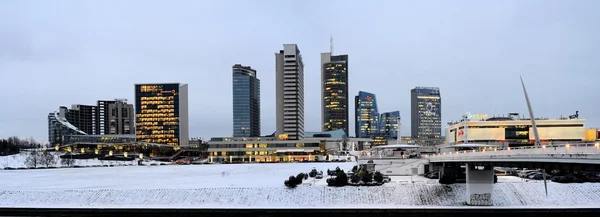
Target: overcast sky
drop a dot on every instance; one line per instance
(55, 53)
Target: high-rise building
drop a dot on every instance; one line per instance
(334, 92)
(426, 115)
(388, 124)
(106, 117)
(366, 116)
(114, 117)
(246, 102)
(289, 92)
(60, 125)
(161, 112)
(83, 117)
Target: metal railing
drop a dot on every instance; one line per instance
(590, 151)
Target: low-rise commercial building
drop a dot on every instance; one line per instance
(513, 130)
(315, 146)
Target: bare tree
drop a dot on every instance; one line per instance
(48, 159)
(33, 159)
(67, 161)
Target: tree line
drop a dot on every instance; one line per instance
(13, 145)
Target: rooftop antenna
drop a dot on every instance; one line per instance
(331, 44)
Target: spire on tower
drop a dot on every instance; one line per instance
(331, 44)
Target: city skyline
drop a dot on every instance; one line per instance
(552, 44)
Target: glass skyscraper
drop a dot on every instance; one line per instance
(334, 92)
(246, 102)
(426, 115)
(388, 124)
(366, 115)
(161, 112)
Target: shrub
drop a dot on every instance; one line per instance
(341, 179)
(331, 181)
(354, 169)
(366, 177)
(355, 178)
(378, 177)
(337, 170)
(313, 173)
(294, 181)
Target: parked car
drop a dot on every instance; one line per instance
(539, 176)
(525, 174)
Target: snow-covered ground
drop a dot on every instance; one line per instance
(18, 161)
(258, 186)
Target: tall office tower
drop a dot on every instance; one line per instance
(246, 102)
(334, 92)
(426, 115)
(114, 117)
(161, 112)
(366, 116)
(388, 124)
(289, 92)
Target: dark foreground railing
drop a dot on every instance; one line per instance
(437, 212)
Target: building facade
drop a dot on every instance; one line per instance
(388, 125)
(161, 112)
(316, 146)
(106, 117)
(366, 115)
(82, 116)
(289, 92)
(426, 115)
(59, 126)
(246, 102)
(114, 117)
(515, 132)
(334, 92)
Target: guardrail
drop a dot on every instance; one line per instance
(587, 151)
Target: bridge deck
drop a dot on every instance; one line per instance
(578, 154)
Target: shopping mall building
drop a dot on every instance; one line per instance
(516, 131)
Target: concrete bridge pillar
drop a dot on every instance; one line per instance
(480, 184)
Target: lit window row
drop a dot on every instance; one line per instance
(150, 111)
(156, 115)
(163, 132)
(157, 98)
(150, 127)
(168, 119)
(158, 102)
(139, 123)
(256, 145)
(150, 88)
(156, 136)
(334, 82)
(165, 107)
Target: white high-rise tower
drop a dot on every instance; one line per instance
(289, 92)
